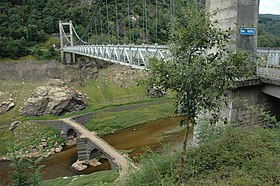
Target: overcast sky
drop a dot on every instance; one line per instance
(270, 7)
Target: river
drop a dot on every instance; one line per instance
(131, 140)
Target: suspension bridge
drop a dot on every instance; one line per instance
(129, 40)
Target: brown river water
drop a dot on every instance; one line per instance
(134, 140)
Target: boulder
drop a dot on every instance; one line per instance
(155, 92)
(55, 98)
(58, 149)
(14, 125)
(78, 165)
(6, 106)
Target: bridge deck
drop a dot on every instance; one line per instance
(122, 162)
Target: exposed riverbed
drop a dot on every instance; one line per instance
(132, 140)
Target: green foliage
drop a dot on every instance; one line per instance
(269, 34)
(155, 170)
(207, 131)
(236, 157)
(107, 122)
(94, 179)
(26, 171)
(237, 152)
(24, 24)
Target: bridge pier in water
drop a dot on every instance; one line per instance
(86, 149)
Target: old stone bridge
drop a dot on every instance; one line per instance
(89, 145)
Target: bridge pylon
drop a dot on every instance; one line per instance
(66, 57)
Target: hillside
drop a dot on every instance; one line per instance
(269, 32)
(31, 27)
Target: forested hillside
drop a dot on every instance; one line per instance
(26, 24)
(269, 31)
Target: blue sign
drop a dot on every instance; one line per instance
(247, 31)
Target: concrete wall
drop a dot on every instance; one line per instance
(246, 105)
(235, 14)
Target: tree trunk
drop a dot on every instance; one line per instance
(189, 124)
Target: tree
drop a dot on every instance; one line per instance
(202, 69)
(26, 171)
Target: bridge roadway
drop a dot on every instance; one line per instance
(121, 161)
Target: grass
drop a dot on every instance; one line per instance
(25, 135)
(102, 92)
(22, 59)
(108, 122)
(20, 92)
(94, 179)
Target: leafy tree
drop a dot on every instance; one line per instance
(202, 69)
(26, 171)
(19, 175)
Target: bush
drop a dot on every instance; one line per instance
(155, 169)
(237, 157)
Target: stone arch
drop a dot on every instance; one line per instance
(94, 153)
(71, 133)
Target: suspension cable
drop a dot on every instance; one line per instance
(143, 36)
(133, 27)
(108, 27)
(65, 36)
(91, 21)
(146, 16)
(129, 19)
(101, 24)
(156, 22)
(118, 29)
(96, 36)
(80, 40)
(114, 27)
(172, 18)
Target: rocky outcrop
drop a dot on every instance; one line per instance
(124, 75)
(56, 98)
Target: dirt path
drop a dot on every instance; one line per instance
(123, 162)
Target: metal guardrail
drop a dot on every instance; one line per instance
(268, 64)
(136, 56)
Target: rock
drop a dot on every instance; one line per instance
(78, 165)
(58, 149)
(47, 154)
(93, 162)
(124, 76)
(14, 125)
(44, 144)
(56, 98)
(6, 106)
(155, 92)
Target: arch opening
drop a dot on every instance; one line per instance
(94, 153)
(71, 133)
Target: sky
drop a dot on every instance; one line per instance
(270, 7)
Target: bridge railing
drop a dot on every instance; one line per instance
(268, 64)
(136, 56)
